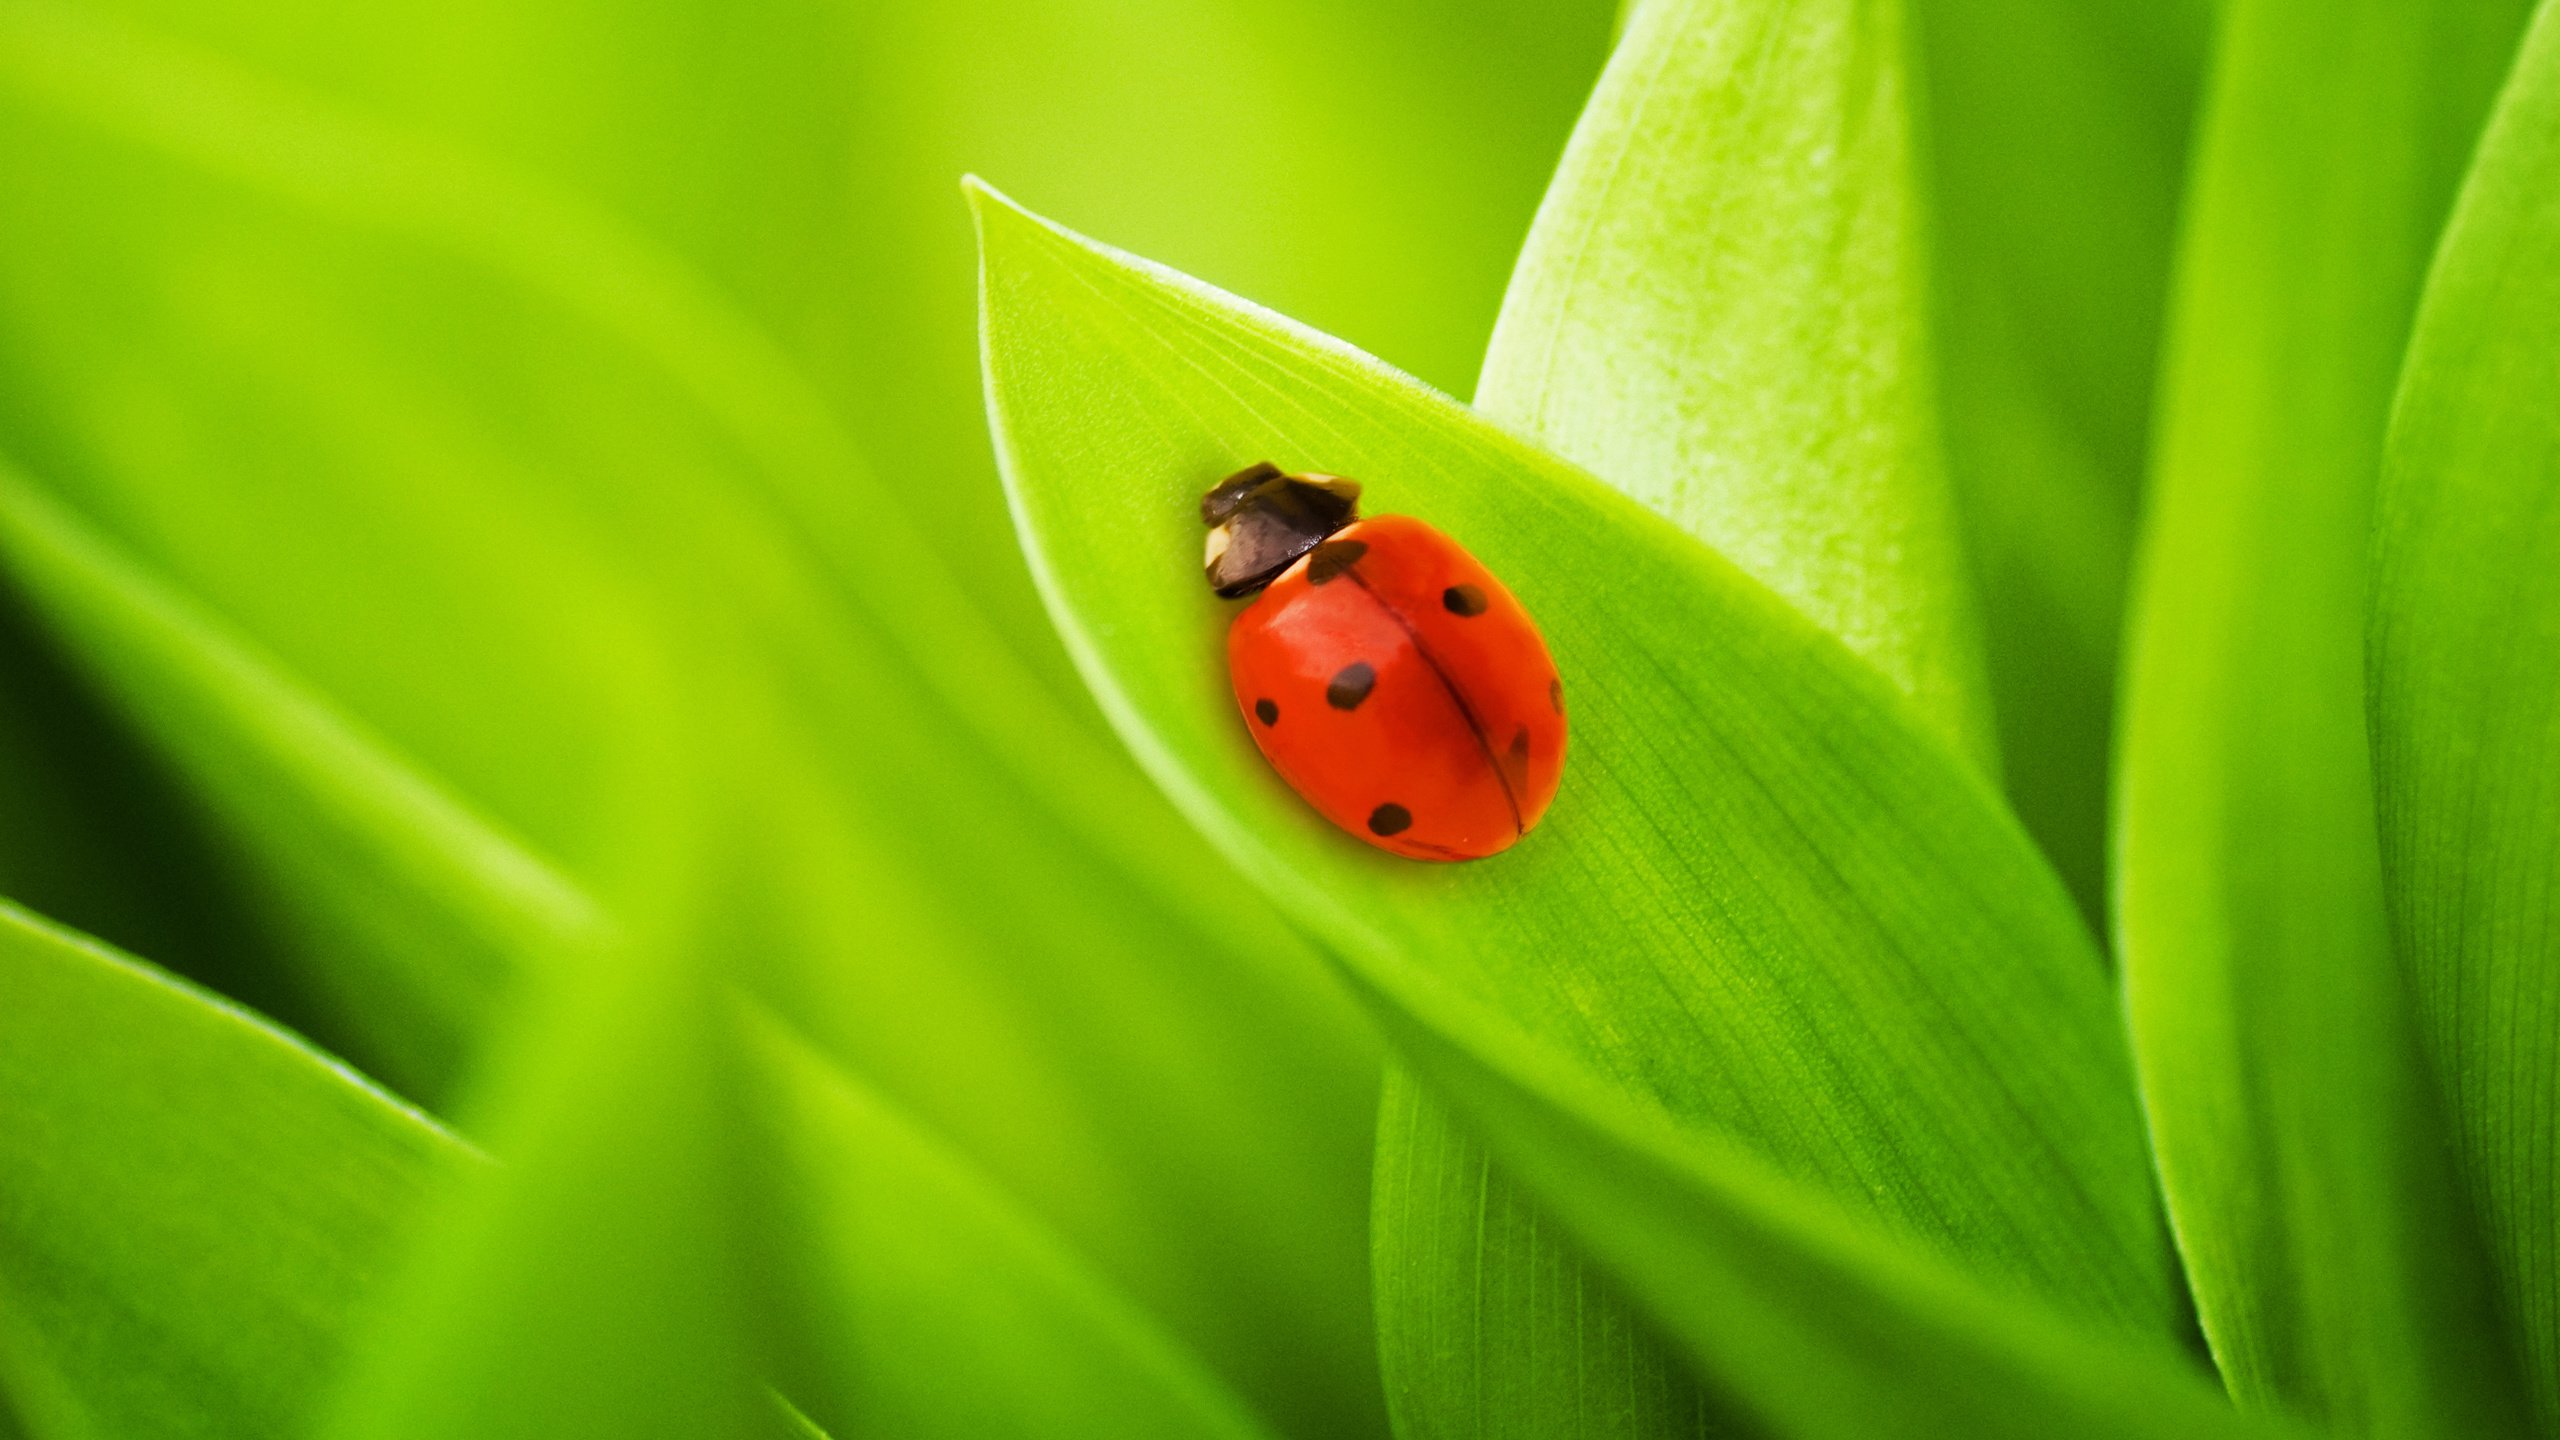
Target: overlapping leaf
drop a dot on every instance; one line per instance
(2464, 661)
(99, 838)
(1678, 937)
(593, 1284)
(273, 282)
(2056, 138)
(652, 486)
(900, 1251)
(411, 914)
(2302, 1158)
(1721, 313)
(194, 1207)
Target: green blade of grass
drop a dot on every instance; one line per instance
(263, 445)
(194, 1206)
(1737, 213)
(595, 1283)
(2465, 630)
(2301, 1154)
(1745, 796)
(410, 914)
(663, 489)
(933, 1306)
(677, 1218)
(102, 839)
(1168, 1088)
(1721, 312)
(2056, 138)
(1820, 1324)
(1492, 1319)
(339, 802)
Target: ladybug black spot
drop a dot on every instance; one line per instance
(1351, 685)
(1389, 819)
(1555, 694)
(1266, 712)
(1332, 558)
(1464, 600)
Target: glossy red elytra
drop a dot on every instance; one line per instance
(1386, 674)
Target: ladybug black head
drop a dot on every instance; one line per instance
(1260, 520)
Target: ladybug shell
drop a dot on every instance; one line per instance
(1399, 688)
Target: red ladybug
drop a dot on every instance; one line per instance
(1390, 679)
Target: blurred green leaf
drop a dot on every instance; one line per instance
(193, 1205)
(596, 1283)
(789, 1421)
(933, 1306)
(400, 368)
(411, 914)
(219, 357)
(1868, 945)
(100, 837)
(796, 157)
(1143, 1055)
(2056, 140)
(2302, 1159)
(2464, 660)
(1720, 312)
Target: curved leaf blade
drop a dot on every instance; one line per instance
(1721, 312)
(194, 1206)
(2463, 659)
(594, 1283)
(629, 480)
(1821, 1324)
(2301, 1154)
(410, 915)
(1676, 926)
(932, 1305)
(1492, 1319)
(2057, 137)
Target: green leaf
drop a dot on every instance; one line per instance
(2463, 659)
(1736, 214)
(791, 1423)
(408, 370)
(1491, 1318)
(676, 1217)
(410, 914)
(2056, 139)
(597, 1283)
(932, 1306)
(1162, 1077)
(99, 837)
(1879, 989)
(1721, 312)
(2302, 1160)
(216, 361)
(1823, 1325)
(194, 1206)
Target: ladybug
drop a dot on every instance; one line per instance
(1390, 679)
